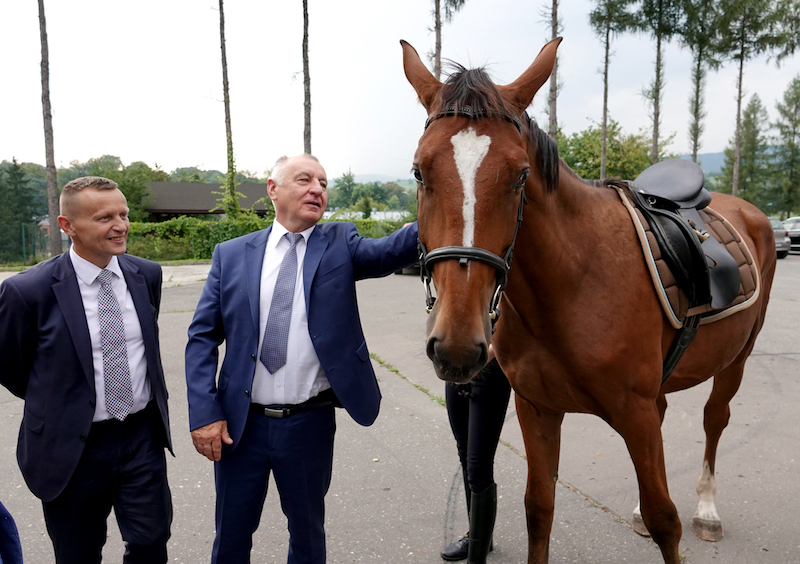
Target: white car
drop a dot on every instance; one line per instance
(782, 241)
(792, 225)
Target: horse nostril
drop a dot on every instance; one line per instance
(431, 348)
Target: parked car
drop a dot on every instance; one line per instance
(782, 241)
(792, 225)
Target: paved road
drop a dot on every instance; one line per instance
(396, 494)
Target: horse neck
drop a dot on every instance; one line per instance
(554, 233)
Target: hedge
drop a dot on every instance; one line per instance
(186, 238)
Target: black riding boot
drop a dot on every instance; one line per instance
(458, 550)
(481, 524)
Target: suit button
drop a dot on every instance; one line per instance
(253, 356)
(92, 403)
(247, 392)
(83, 438)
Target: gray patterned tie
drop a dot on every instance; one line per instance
(276, 333)
(116, 372)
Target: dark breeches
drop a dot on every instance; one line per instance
(477, 412)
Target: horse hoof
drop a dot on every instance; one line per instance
(638, 525)
(707, 530)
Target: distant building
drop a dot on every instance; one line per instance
(170, 199)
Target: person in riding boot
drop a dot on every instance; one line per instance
(477, 411)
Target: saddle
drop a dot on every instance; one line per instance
(668, 199)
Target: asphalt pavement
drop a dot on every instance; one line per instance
(397, 495)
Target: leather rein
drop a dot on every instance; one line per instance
(465, 254)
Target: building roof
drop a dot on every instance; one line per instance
(192, 198)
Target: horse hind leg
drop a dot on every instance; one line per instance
(706, 523)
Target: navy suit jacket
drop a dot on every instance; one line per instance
(336, 256)
(46, 359)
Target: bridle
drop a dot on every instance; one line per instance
(465, 254)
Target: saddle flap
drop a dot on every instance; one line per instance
(678, 180)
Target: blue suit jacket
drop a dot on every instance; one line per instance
(46, 359)
(336, 256)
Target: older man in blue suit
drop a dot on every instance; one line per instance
(79, 343)
(284, 302)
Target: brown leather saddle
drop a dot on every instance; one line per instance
(669, 195)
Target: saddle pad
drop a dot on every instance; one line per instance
(672, 298)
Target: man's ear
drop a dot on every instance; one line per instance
(271, 186)
(66, 225)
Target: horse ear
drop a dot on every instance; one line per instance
(419, 76)
(521, 92)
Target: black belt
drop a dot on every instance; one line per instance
(130, 419)
(323, 399)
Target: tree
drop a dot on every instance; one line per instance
(660, 18)
(17, 207)
(609, 19)
(628, 154)
(341, 195)
(754, 165)
(306, 85)
(50, 165)
(450, 9)
(555, 31)
(230, 199)
(786, 162)
(749, 28)
(133, 180)
(699, 34)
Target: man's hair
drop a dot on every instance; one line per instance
(279, 170)
(72, 188)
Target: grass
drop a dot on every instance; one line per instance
(438, 399)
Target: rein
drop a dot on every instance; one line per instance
(465, 254)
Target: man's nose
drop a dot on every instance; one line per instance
(316, 186)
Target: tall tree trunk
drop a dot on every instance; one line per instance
(604, 133)
(306, 84)
(50, 168)
(737, 142)
(437, 50)
(553, 131)
(656, 93)
(231, 176)
(696, 103)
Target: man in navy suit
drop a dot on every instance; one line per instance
(260, 416)
(79, 343)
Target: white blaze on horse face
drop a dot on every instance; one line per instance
(469, 150)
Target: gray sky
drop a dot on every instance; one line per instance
(142, 80)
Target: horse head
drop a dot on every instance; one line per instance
(473, 168)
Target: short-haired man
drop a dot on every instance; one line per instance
(284, 301)
(79, 343)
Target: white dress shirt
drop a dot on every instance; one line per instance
(302, 377)
(86, 273)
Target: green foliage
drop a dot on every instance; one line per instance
(787, 151)
(341, 196)
(627, 154)
(754, 165)
(17, 207)
(191, 238)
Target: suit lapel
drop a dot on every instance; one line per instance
(69, 299)
(317, 243)
(254, 261)
(137, 286)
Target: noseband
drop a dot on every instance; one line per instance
(465, 254)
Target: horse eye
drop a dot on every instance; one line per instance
(523, 178)
(418, 175)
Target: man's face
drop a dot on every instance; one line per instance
(97, 221)
(301, 198)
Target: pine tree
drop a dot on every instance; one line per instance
(787, 150)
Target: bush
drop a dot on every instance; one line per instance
(186, 238)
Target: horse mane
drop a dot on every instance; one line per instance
(471, 87)
(547, 158)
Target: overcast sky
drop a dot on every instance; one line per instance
(142, 80)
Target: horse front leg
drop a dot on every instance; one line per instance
(639, 423)
(541, 432)
(706, 523)
(637, 522)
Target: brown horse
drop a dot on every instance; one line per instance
(582, 329)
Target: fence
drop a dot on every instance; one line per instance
(22, 243)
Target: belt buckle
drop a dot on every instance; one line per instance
(275, 413)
